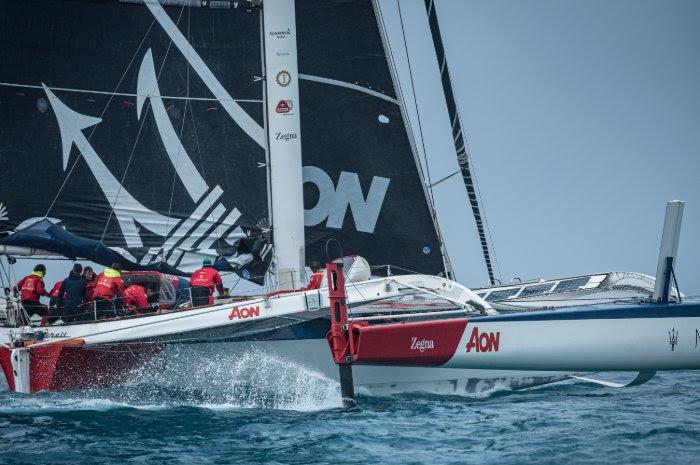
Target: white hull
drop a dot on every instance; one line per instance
(195, 337)
(314, 355)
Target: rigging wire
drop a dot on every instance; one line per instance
(483, 214)
(415, 104)
(182, 127)
(463, 151)
(449, 271)
(410, 133)
(104, 111)
(138, 135)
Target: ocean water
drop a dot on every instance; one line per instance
(259, 409)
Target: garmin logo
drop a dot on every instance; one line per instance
(281, 34)
(334, 200)
(422, 345)
(286, 136)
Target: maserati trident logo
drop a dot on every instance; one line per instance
(673, 338)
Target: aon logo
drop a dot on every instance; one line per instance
(333, 200)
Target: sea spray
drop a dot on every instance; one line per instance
(209, 379)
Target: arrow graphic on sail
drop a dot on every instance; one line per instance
(248, 124)
(126, 208)
(147, 87)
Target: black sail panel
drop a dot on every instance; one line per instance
(363, 192)
(136, 125)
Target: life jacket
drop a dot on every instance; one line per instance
(31, 287)
(54, 290)
(109, 283)
(90, 290)
(315, 281)
(207, 277)
(136, 296)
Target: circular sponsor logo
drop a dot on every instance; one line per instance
(284, 78)
(426, 249)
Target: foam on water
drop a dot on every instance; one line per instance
(248, 380)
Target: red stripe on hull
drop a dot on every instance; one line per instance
(425, 343)
(6, 365)
(56, 367)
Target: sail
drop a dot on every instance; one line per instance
(138, 125)
(458, 134)
(363, 190)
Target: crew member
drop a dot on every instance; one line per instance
(53, 294)
(316, 277)
(90, 283)
(31, 289)
(109, 291)
(203, 282)
(70, 300)
(136, 299)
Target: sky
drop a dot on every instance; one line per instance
(582, 120)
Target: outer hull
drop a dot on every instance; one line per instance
(613, 337)
(314, 355)
(60, 368)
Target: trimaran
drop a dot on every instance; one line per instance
(148, 159)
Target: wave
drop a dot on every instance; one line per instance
(189, 378)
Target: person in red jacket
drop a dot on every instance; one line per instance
(53, 294)
(316, 277)
(90, 283)
(136, 299)
(32, 289)
(203, 282)
(109, 291)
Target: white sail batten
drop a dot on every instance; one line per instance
(284, 140)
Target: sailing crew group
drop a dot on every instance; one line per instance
(82, 296)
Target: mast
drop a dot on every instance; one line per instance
(458, 135)
(284, 141)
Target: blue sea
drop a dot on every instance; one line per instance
(275, 413)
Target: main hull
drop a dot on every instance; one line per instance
(60, 368)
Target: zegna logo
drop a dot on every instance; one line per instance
(333, 200)
(422, 345)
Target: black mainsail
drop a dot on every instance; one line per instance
(117, 125)
(136, 128)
